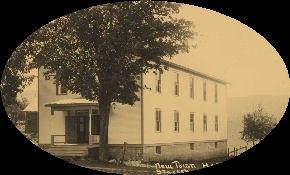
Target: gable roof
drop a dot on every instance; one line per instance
(194, 72)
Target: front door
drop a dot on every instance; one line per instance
(83, 129)
(71, 134)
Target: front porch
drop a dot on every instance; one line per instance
(81, 124)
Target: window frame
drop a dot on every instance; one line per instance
(216, 123)
(192, 146)
(158, 82)
(191, 121)
(59, 89)
(204, 90)
(176, 84)
(204, 123)
(215, 145)
(191, 88)
(158, 111)
(176, 122)
(158, 150)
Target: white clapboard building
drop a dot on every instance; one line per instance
(183, 116)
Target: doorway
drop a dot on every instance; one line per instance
(83, 129)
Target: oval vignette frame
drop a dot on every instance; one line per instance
(173, 114)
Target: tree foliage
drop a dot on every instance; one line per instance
(15, 76)
(15, 110)
(257, 125)
(101, 52)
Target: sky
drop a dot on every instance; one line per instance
(232, 51)
(229, 50)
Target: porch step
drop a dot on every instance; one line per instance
(68, 148)
(63, 151)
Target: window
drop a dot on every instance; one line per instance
(176, 121)
(216, 93)
(191, 88)
(204, 123)
(216, 126)
(191, 121)
(204, 90)
(158, 149)
(176, 84)
(158, 120)
(158, 82)
(215, 144)
(60, 89)
(192, 146)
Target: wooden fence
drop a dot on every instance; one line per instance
(238, 150)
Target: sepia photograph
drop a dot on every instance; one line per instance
(145, 87)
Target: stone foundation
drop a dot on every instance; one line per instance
(133, 152)
(182, 151)
(204, 150)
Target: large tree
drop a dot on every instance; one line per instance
(15, 77)
(257, 125)
(101, 52)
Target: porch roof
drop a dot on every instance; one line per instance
(72, 102)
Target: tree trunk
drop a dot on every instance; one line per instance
(104, 108)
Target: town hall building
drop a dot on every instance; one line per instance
(181, 116)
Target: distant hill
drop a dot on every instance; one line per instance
(238, 106)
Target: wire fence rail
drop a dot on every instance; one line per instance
(238, 150)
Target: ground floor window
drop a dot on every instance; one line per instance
(158, 120)
(215, 144)
(204, 123)
(176, 121)
(216, 126)
(191, 121)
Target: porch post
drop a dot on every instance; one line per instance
(90, 126)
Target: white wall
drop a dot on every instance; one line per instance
(167, 101)
(124, 124)
(50, 124)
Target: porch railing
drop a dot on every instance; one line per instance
(94, 139)
(57, 139)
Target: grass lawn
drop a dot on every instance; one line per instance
(171, 167)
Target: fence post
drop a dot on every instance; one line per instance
(234, 151)
(124, 152)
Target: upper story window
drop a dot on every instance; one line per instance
(191, 121)
(204, 90)
(158, 120)
(176, 121)
(215, 93)
(158, 82)
(60, 89)
(204, 123)
(216, 124)
(191, 88)
(176, 84)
